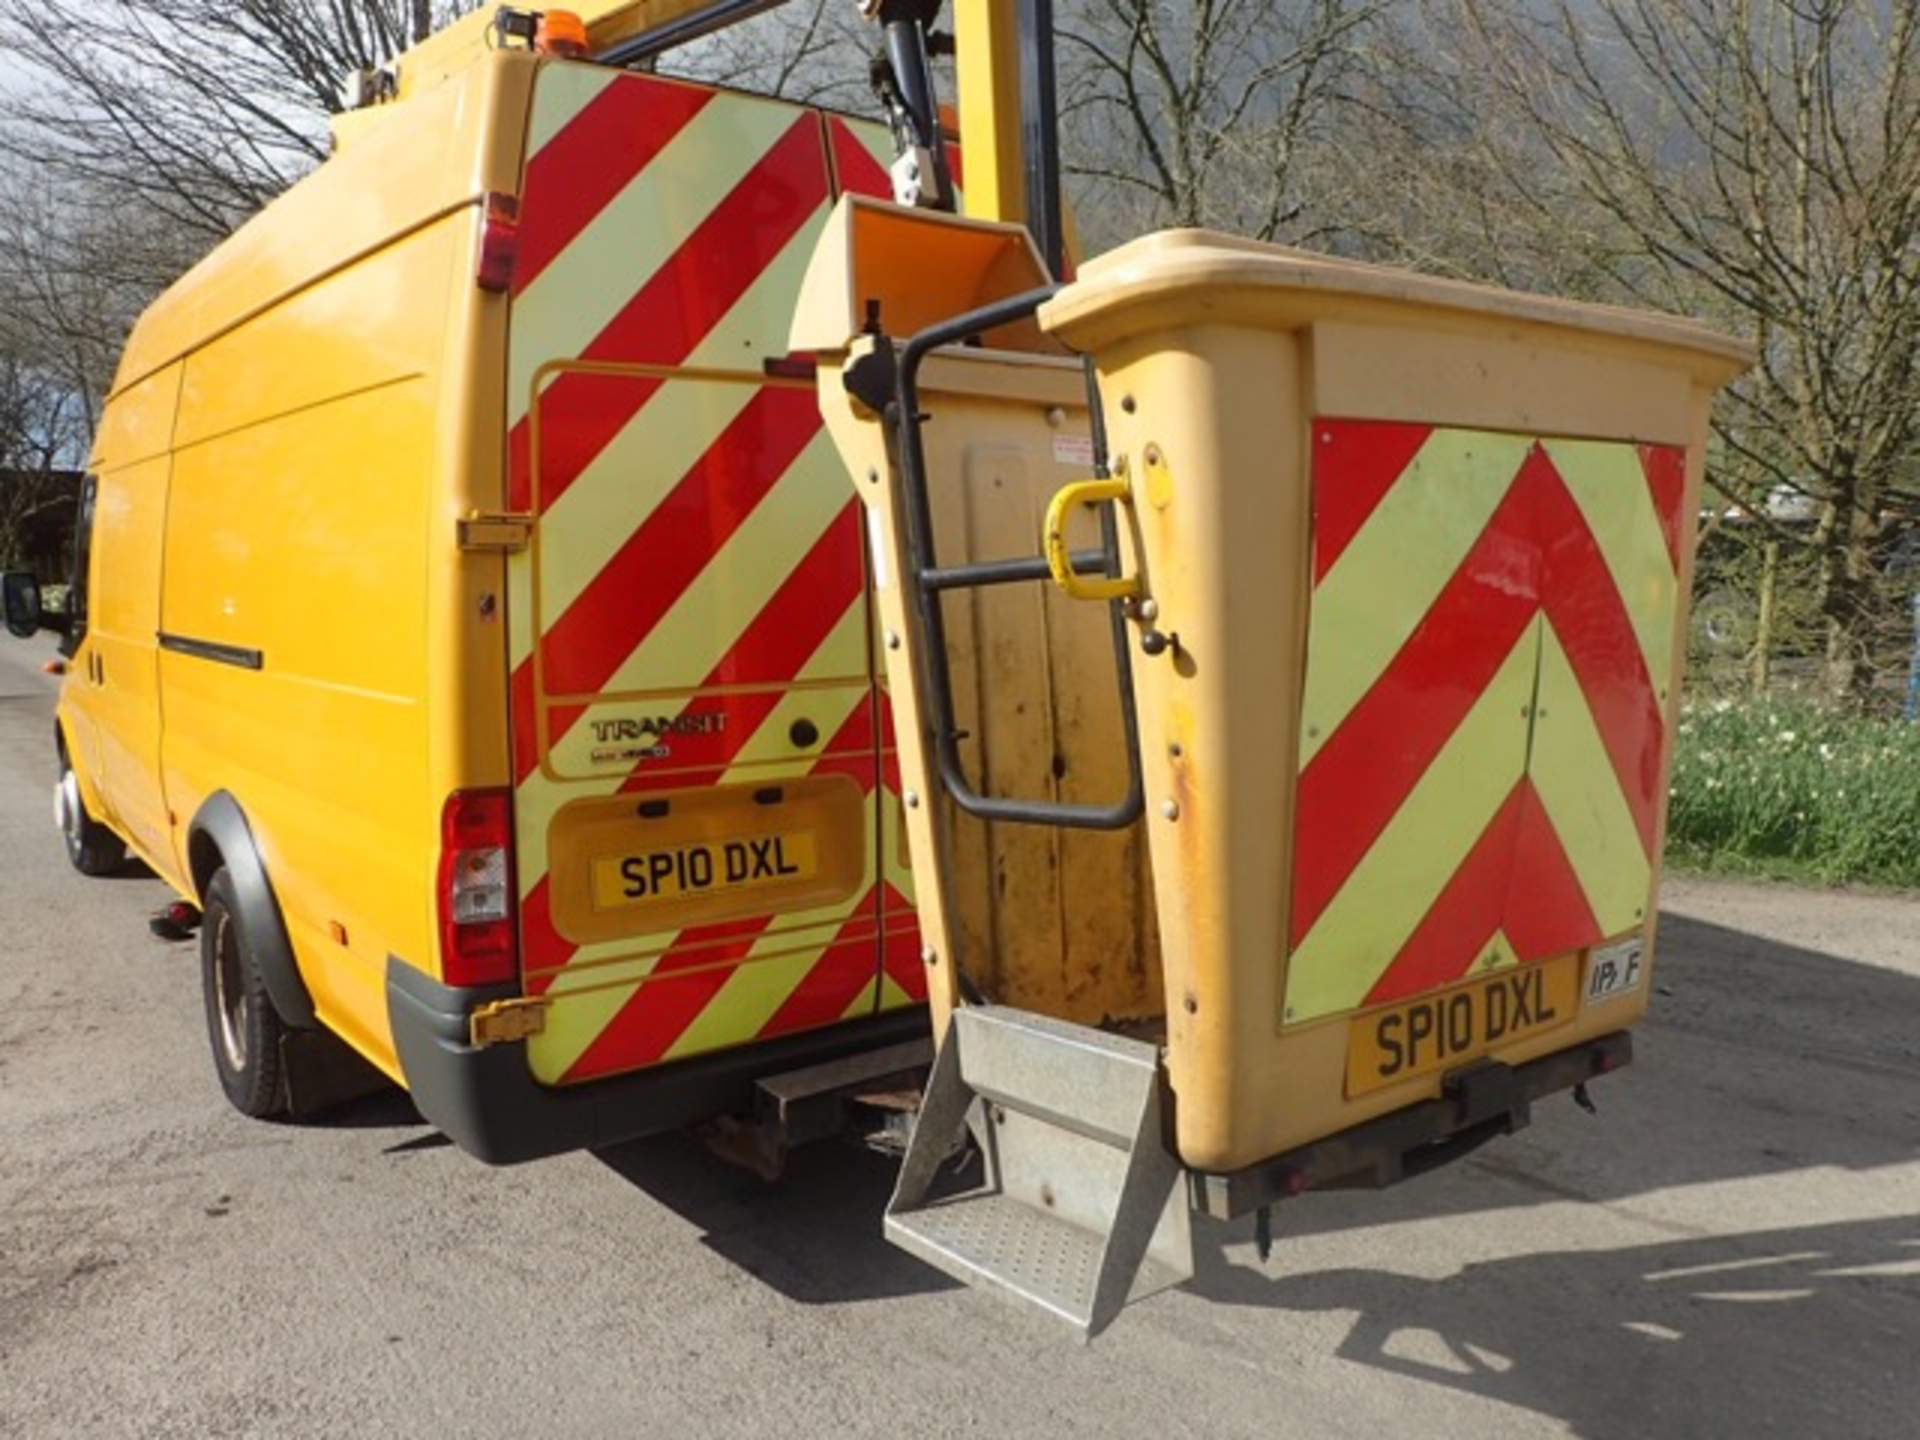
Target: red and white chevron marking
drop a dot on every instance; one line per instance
(696, 543)
(1484, 712)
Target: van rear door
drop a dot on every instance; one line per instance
(697, 730)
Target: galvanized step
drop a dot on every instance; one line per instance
(1079, 1211)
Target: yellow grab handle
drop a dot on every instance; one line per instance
(1084, 587)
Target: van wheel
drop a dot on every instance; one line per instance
(93, 849)
(242, 1024)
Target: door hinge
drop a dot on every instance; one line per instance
(496, 530)
(504, 1021)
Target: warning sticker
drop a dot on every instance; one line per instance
(1616, 970)
(1076, 450)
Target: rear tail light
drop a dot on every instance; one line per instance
(476, 890)
(499, 242)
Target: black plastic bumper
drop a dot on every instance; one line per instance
(487, 1102)
(1481, 1103)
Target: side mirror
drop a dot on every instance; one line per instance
(20, 597)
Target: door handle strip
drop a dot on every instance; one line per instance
(236, 655)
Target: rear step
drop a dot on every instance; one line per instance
(866, 1089)
(1079, 1212)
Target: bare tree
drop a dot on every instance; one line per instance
(76, 267)
(813, 52)
(154, 127)
(43, 429)
(202, 110)
(40, 436)
(80, 263)
(1200, 112)
(1753, 161)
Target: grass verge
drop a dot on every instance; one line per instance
(1790, 790)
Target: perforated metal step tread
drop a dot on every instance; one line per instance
(1079, 1210)
(994, 1240)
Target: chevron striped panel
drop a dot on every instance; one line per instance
(1483, 726)
(697, 556)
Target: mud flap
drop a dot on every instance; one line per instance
(319, 1070)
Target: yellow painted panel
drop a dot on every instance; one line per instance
(988, 77)
(458, 143)
(137, 423)
(1055, 920)
(304, 540)
(377, 323)
(130, 507)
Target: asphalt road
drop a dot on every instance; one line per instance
(1730, 1249)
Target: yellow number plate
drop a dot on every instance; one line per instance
(1447, 1028)
(703, 867)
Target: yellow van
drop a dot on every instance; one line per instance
(473, 623)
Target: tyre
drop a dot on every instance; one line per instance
(93, 849)
(242, 1025)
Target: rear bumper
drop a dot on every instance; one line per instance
(1481, 1103)
(486, 1101)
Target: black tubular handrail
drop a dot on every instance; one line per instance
(695, 25)
(931, 580)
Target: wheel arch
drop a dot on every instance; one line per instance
(63, 752)
(221, 837)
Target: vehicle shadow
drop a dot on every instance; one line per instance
(1760, 1061)
(814, 1235)
(1720, 1041)
(1794, 1332)
(1758, 1058)
(385, 1108)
